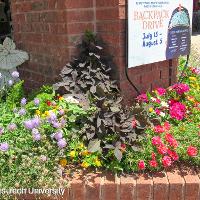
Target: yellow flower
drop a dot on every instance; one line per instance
(190, 98)
(85, 165)
(61, 98)
(150, 109)
(97, 163)
(46, 113)
(37, 112)
(182, 128)
(63, 162)
(43, 115)
(193, 78)
(81, 145)
(85, 153)
(72, 154)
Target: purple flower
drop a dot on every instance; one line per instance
(36, 101)
(63, 122)
(58, 135)
(10, 82)
(23, 101)
(32, 123)
(56, 124)
(36, 122)
(15, 110)
(35, 131)
(61, 112)
(1, 130)
(4, 146)
(36, 137)
(12, 127)
(62, 143)
(22, 111)
(28, 124)
(15, 74)
(52, 117)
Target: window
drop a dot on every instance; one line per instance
(5, 19)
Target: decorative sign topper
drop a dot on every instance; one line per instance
(158, 30)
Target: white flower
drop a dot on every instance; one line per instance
(162, 114)
(0, 75)
(71, 99)
(164, 104)
(10, 82)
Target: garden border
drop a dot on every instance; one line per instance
(173, 184)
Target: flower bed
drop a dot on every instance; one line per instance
(45, 135)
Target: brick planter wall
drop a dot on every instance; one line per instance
(49, 29)
(174, 184)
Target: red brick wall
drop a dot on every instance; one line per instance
(49, 30)
(174, 184)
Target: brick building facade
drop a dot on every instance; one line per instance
(48, 31)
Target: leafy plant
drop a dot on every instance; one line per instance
(88, 79)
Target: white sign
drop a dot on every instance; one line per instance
(158, 30)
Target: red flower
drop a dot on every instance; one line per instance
(166, 161)
(134, 123)
(153, 156)
(156, 141)
(159, 129)
(141, 165)
(123, 147)
(167, 126)
(162, 149)
(173, 155)
(192, 151)
(171, 140)
(48, 103)
(153, 163)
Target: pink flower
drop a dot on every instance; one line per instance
(161, 91)
(181, 88)
(177, 111)
(171, 140)
(195, 70)
(162, 149)
(172, 101)
(153, 163)
(166, 161)
(192, 151)
(157, 111)
(167, 126)
(156, 141)
(142, 98)
(159, 129)
(173, 155)
(141, 165)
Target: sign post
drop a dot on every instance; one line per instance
(158, 30)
